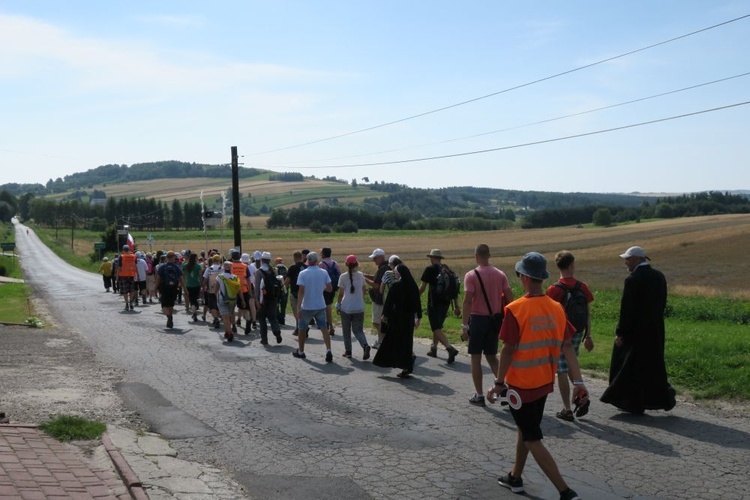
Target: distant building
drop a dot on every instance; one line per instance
(98, 201)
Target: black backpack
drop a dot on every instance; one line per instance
(171, 275)
(446, 285)
(576, 306)
(272, 285)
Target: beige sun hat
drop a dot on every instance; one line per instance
(435, 252)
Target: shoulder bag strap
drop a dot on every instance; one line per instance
(484, 292)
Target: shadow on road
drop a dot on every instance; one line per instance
(706, 432)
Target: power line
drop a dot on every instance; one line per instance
(548, 120)
(526, 144)
(462, 103)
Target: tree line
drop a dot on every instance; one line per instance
(114, 174)
(686, 205)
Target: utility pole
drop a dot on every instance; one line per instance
(236, 201)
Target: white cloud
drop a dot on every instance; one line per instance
(31, 48)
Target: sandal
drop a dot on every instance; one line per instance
(566, 415)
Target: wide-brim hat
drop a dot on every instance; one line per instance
(533, 265)
(435, 252)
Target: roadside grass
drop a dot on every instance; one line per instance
(70, 428)
(14, 297)
(14, 303)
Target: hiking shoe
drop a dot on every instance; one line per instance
(170, 324)
(366, 353)
(300, 355)
(514, 484)
(569, 495)
(195, 316)
(216, 322)
(376, 345)
(432, 352)
(452, 353)
(203, 317)
(566, 415)
(278, 337)
(295, 332)
(247, 328)
(329, 357)
(347, 354)
(263, 341)
(477, 400)
(332, 332)
(255, 325)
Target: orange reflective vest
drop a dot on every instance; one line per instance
(128, 267)
(542, 325)
(240, 269)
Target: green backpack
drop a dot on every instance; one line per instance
(231, 288)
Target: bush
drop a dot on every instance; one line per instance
(325, 229)
(602, 217)
(349, 226)
(3, 271)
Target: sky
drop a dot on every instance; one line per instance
(508, 94)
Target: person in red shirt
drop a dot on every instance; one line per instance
(535, 330)
(576, 297)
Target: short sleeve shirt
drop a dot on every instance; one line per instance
(558, 293)
(353, 302)
(314, 279)
(292, 274)
(495, 283)
(429, 276)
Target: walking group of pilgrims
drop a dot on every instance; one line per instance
(541, 331)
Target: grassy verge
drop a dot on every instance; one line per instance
(61, 246)
(69, 428)
(15, 306)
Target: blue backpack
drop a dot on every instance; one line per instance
(334, 273)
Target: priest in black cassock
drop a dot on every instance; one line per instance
(637, 373)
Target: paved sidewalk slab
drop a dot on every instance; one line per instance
(34, 465)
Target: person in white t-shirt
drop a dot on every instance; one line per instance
(350, 305)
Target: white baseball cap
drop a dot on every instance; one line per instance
(635, 252)
(378, 252)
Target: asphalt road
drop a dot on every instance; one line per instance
(288, 428)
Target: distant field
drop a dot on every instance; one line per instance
(273, 194)
(699, 255)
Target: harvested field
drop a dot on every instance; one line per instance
(699, 255)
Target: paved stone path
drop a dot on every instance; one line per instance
(36, 466)
(287, 428)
